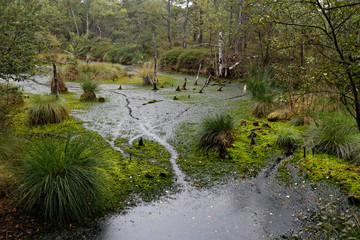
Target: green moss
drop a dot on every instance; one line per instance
(284, 175)
(324, 167)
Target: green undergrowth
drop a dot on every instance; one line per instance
(283, 174)
(243, 160)
(147, 175)
(324, 167)
(146, 171)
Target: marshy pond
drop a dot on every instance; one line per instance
(258, 207)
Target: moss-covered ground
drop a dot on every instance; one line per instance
(143, 173)
(246, 159)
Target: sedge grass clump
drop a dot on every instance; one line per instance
(60, 181)
(258, 83)
(263, 105)
(47, 109)
(287, 138)
(89, 88)
(304, 117)
(216, 133)
(335, 134)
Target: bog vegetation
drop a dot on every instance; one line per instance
(299, 62)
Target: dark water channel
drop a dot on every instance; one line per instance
(258, 208)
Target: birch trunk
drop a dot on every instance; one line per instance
(220, 53)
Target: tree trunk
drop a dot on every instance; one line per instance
(155, 62)
(201, 27)
(98, 27)
(302, 50)
(75, 22)
(87, 20)
(56, 83)
(220, 53)
(197, 76)
(185, 22)
(169, 21)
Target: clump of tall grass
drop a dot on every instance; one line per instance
(258, 82)
(258, 86)
(95, 71)
(216, 133)
(89, 88)
(60, 180)
(287, 138)
(47, 109)
(146, 72)
(336, 134)
(304, 117)
(263, 105)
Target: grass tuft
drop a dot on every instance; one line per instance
(263, 105)
(46, 109)
(287, 138)
(335, 134)
(216, 133)
(60, 181)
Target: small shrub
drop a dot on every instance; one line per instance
(216, 133)
(263, 105)
(46, 109)
(287, 138)
(123, 55)
(335, 134)
(190, 60)
(169, 59)
(60, 181)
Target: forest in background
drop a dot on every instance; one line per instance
(313, 46)
(300, 61)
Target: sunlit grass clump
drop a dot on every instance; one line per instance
(47, 109)
(335, 134)
(216, 133)
(60, 181)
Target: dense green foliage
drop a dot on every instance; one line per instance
(186, 60)
(60, 181)
(47, 109)
(19, 24)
